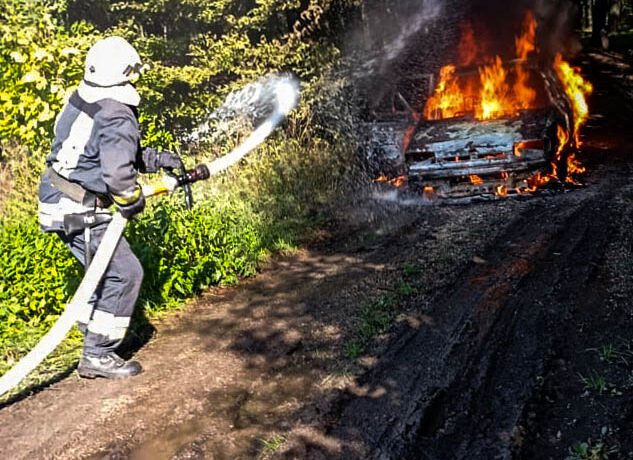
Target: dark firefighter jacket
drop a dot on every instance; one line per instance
(97, 146)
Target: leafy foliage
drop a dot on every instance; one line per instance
(207, 245)
(39, 60)
(36, 274)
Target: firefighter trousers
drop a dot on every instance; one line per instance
(113, 302)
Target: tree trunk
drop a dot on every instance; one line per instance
(615, 14)
(586, 14)
(599, 15)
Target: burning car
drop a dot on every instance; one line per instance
(488, 130)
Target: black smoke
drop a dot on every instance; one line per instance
(403, 41)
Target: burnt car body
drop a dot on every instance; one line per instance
(462, 157)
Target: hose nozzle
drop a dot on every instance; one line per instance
(200, 172)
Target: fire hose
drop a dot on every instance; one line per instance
(286, 97)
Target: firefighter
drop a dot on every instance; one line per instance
(94, 163)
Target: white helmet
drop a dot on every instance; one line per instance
(112, 61)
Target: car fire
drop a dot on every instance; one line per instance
(489, 127)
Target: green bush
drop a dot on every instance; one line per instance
(37, 273)
(184, 251)
(37, 276)
(40, 60)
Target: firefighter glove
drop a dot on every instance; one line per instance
(169, 160)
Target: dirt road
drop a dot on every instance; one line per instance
(510, 337)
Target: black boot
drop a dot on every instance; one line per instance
(110, 366)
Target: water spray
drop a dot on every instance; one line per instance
(279, 94)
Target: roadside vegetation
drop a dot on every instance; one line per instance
(199, 52)
(377, 316)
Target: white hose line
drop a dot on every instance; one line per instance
(252, 141)
(78, 307)
(287, 95)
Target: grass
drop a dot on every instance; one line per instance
(272, 444)
(59, 363)
(376, 317)
(379, 315)
(405, 289)
(590, 449)
(595, 382)
(283, 246)
(608, 353)
(354, 349)
(409, 270)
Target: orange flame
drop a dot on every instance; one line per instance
(577, 90)
(475, 180)
(563, 139)
(505, 91)
(398, 182)
(525, 44)
(538, 180)
(495, 97)
(574, 167)
(428, 192)
(448, 100)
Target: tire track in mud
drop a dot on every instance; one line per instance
(565, 411)
(510, 363)
(458, 387)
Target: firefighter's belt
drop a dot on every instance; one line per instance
(76, 192)
(75, 223)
